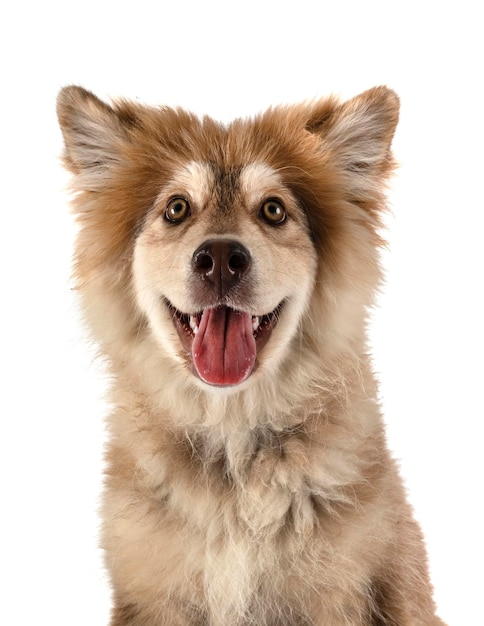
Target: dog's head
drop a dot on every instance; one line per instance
(241, 249)
(224, 257)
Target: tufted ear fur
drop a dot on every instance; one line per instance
(94, 134)
(359, 133)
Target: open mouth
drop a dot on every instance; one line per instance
(223, 343)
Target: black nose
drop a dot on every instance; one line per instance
(221, 262)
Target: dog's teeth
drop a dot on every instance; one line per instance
(255, 323)
(193, 324)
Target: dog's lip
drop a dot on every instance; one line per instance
(187, 324)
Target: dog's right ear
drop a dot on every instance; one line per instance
(94, 135)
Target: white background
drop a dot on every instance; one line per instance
(235, 59)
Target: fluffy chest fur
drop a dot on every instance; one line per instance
(239, 514)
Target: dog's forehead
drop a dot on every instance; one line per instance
(196, 180)
(258, 180)
(205, 182)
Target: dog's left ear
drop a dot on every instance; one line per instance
(359, 133)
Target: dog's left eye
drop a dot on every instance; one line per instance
(177, 210)
(273, 212)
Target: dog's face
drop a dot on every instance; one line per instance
(242, 249)
(226, 260)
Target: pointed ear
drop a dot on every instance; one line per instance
(94, 134)
(359, 134)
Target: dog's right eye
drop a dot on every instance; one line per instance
(177, 210)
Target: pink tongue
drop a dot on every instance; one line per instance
(223, 350)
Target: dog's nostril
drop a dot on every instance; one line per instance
(239, 261)
(203, 261)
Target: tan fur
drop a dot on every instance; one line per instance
(274, 501)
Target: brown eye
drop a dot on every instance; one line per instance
(273, 212)
(177, 210)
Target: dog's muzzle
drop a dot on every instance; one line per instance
(223, 337)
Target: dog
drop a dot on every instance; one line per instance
(226, 272)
